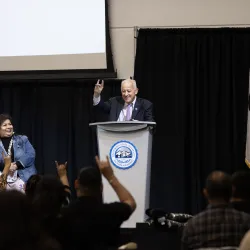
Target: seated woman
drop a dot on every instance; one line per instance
(21, 152)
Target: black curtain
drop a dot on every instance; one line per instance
(198, 81)
(55, 115)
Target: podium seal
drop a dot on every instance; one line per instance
(123, 154)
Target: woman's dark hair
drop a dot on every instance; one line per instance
(49, 196)
(16, 210)
(4, 117)
(31, 184)
(20, 224)
(48, 200)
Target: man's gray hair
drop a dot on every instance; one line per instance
(130, 81)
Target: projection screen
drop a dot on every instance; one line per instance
(49, 35)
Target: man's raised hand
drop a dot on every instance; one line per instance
(98, 88)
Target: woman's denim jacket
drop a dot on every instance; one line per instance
(24, 153)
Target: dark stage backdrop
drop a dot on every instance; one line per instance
(56, 116)
(198, 81)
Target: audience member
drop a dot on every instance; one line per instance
(89, 223)
(51, 194)
(31, 184)
(20, 228)
(48, 200)
(219, 225)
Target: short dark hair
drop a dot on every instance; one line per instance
(219, 185)
(4, 117)
(241, 184)
(90, 179)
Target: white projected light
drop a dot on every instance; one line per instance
(52, 34)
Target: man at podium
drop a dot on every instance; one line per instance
(127, 107)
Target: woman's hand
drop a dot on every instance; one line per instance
(7, 163)
(6, 160)
(13, 168)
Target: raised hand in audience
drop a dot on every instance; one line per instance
(123, 194)
(62, 173)
(61, 169)
(105, 168)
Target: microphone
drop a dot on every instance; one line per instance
(159, 218)
(179, 217)
(174, 224)
(157, 215)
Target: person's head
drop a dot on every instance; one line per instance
(6, 127)
(31, 184)
(89, 182)
(49, 196)
(129, 90)
(18, 221)
(218, 187)
(241, 185)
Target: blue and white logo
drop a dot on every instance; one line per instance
(123, 155)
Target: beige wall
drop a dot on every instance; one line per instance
(125, 15)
